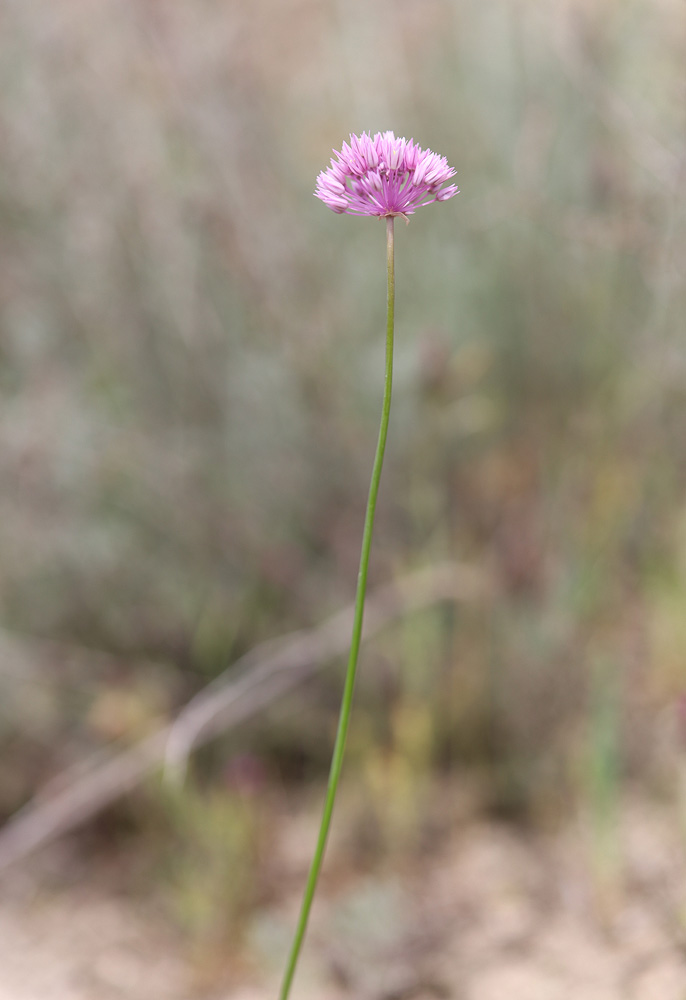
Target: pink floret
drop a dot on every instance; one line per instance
(384, 176)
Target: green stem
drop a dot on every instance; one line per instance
(346, 705)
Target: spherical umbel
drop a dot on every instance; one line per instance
(384, 176)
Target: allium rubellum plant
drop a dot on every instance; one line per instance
(382, 177)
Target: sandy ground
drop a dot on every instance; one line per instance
(496, 914)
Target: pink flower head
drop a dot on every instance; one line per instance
(384, 176)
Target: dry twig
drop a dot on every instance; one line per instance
(266, 673)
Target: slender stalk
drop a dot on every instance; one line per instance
(346, 704)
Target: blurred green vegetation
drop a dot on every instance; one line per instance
(191, 364)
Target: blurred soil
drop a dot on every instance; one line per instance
(494, 913)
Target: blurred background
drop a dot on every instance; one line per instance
(191, 365)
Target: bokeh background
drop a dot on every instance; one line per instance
(191, 354)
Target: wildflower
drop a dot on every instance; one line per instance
(384, 176)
